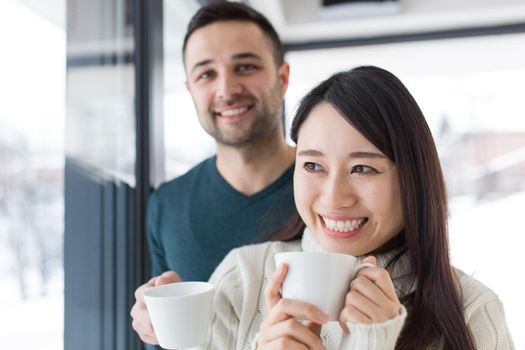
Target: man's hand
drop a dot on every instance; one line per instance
(141, 321)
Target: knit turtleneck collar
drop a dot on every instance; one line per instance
(309, 243)
(400, 269)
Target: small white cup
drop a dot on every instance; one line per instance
(180, 313)
(321, 279)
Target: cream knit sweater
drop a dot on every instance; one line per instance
(240, 308)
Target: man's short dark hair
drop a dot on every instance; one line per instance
(221, 11)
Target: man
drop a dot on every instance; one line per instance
(237, 78)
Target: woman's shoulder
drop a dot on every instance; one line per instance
(267, 248)
(251, 259)
(475, 293)
(484, 314)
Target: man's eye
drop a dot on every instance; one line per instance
(205, 75)
(363, 170)
(312, 167)
(245, 67)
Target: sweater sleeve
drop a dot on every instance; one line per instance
(377, 336)
(226, 303)
(239, 283)
(488, 327)
(229, 303)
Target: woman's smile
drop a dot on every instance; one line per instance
(342, 227)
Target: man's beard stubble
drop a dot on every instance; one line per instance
(264, 122)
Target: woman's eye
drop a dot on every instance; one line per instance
(363, 170)
(312, 167)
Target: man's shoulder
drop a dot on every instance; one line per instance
(182, 182)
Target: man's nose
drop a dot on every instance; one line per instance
(228, 86)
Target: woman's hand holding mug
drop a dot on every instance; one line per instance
(372, 297)
(281, 329)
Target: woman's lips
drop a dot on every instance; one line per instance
(342, 227)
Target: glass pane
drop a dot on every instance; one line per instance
(471, 92)
(32, 85)
(101, 249)
(100, 87)
(185, 141)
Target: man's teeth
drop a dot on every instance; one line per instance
(231, 112)
(343, 226)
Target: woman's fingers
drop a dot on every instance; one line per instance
(372, 300)
(287, 334)
(287, 308)
(367, 307)
(281, 330)
(352, 315)
(272, 293)
(282, 344)
(315, 328)
(371, 260)
(381, 278)
(368, 288)
(372, 297)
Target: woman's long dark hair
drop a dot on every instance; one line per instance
(381, 108)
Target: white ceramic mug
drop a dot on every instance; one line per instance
(321, 279)
(180, 313)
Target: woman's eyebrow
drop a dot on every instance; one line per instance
(310, 152)
(358, 154)
(362, 154)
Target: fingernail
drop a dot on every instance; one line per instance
(321, 316)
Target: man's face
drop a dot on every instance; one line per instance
(235, 84)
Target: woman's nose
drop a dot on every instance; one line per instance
(338, 193)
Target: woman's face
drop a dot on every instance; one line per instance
(346, 190)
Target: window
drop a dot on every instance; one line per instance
(31, 174)
(185, 142)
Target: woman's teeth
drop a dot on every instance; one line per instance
(343, 226)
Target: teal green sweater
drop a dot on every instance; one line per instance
(196, 219)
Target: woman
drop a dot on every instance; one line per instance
(368, 183)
